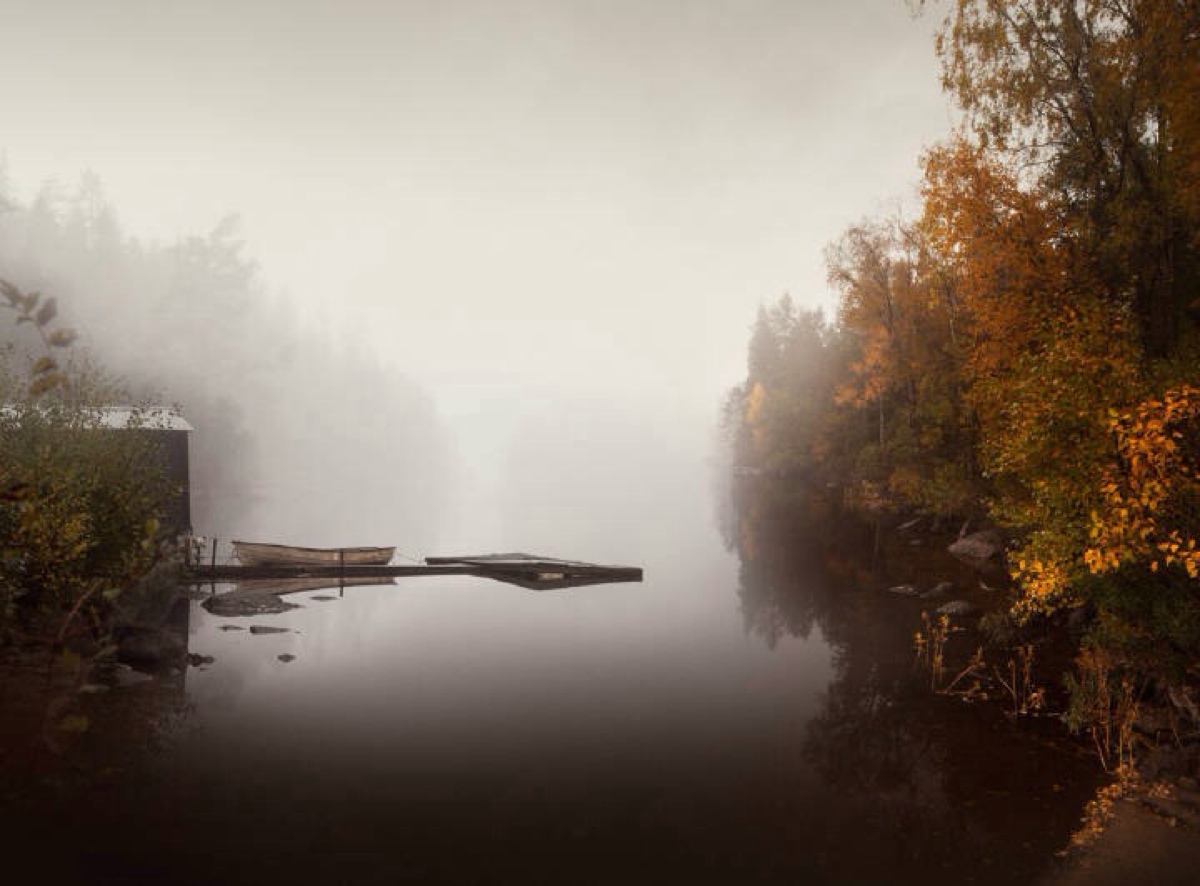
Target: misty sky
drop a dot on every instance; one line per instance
(590, 196)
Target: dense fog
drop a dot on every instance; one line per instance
(297, 436)
(490, 266)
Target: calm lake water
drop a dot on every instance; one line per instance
(749, 713)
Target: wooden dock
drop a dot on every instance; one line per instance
(527, 570)
(236, 572)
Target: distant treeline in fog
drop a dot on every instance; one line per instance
(298, 435)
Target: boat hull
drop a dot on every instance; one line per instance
(258, 554)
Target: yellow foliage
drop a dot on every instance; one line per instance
(1045, 583)
(756, 404)
(1149, 474)
(85, 520)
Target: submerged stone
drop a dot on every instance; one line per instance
(237, 604)
(956, 607)
(148, 647)
(941, 589)
(124, 676)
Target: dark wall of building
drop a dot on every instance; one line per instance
(173, 446)
(175, 450)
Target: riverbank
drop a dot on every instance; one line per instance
(1152, 835)
(70, 729)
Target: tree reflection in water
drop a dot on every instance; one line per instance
(929, 782)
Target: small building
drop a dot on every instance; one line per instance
(169, 431)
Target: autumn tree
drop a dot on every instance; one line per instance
(1068, 218)
(1143, 553)
(901, 321)
(1095, 101)
(1069, 221)
(1046, 351)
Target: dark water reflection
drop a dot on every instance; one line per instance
(742, 716)
(931, 786)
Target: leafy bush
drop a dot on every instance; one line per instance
(80, 501)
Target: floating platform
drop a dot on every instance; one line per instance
(527, 570)
(532, 566)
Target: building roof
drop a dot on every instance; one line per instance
(153, 418)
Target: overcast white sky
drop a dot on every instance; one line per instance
(596, 195)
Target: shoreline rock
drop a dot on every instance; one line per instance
(978, 548)
(147, 647)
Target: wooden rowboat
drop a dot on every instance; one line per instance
(251, 553)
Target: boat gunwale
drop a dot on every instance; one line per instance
(269, 553)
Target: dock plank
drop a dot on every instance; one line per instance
(527, 568)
